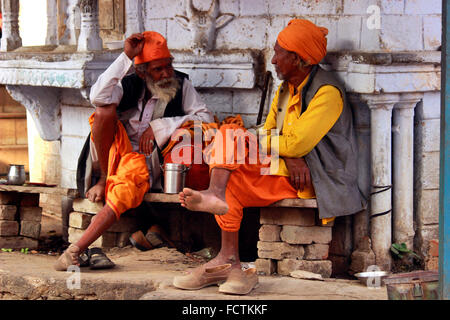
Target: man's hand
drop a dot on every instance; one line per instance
(299, 172)
(133, 45)
(147, 141)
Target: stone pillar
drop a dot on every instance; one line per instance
(10, 30)
(133, 17)
(403, 169)
(362, 128)
(381, 195)
(89, 39)
(69, 10)
(52, 23)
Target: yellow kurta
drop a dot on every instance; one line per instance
(301, 133)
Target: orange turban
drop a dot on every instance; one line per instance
(304, 38)
(155, 47)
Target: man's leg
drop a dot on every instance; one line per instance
(99, 224)
(211, 200)
(103, 131)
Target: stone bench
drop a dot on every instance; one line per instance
(21, 215)
(291, 236)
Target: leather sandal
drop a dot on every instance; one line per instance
(202, 277)
(99, 260)
(139, 241)
(240, 282)
(158, 238)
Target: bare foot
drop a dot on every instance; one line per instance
(97, 192)
(68, 258)
(205, 201)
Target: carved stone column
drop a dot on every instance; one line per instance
(133, 17)
(403, 168)
(52, 23)
(89, 39)
(71, 10)
(10, 31)
(381, 106)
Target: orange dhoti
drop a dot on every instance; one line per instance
(128, 177)
(247, 186)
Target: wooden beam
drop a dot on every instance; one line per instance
(173, 198)
(38, 189)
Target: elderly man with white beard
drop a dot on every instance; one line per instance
(135, 115)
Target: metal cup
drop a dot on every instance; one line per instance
(174, 177)
(16, 174)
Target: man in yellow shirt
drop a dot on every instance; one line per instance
(317, 150)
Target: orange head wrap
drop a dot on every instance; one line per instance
(155, 47)
(304, 38)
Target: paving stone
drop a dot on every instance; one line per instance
(266, 266)
(279, 250)
(30, 214)
(286, 266)
(18, 243)
(84, 205)
(79, 220)
(7, 212)
(306, 235)
(9, 228)
(269, 232)
(31, 229)
(288, 216)
(8, 197)
(316, 251)
(106, 240)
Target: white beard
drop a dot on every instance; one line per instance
(165, 94)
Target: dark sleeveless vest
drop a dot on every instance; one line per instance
(133, 87)
(333, 162)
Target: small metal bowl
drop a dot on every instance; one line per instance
(375, 277)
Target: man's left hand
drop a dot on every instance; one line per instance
(299, 172)
(147, 141)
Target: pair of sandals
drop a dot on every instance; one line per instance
(154, 238)
(95, 258)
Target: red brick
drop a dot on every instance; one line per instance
(30, 213)
(7, 212)
(31, 229)
(433, 250)
(306, 235)
(79, 220)
(9, 228)
(266, 266)
(316, 251)
(279, 250)
(269, 232)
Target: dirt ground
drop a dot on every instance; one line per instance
(148, 276)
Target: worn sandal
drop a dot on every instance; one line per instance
(99, 260)
(83, 258)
